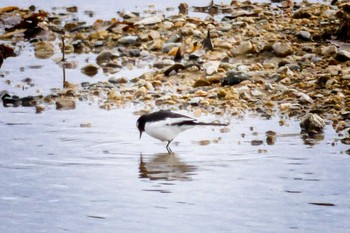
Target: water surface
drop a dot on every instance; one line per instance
(58, 175)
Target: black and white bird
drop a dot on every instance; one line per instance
(166, 125)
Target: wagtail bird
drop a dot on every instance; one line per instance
(166, 125)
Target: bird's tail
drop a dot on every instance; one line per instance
(210, 123)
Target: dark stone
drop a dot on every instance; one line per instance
(175, 67)
(233, 78)
(303, 35)
(9, 101)
(294, 67)
(207, 42)
(302, 14)
(342, 56)
(134, 52)
(28, 101)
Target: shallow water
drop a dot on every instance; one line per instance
(86, 170)
(59, 176)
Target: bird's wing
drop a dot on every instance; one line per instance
(180, 121)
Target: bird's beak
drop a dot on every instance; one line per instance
(140, 134)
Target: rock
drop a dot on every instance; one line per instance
(169, 46)
(211, 67)
(346, 77)
(243, 48)
(85, 125)
(85, 84)
(256, 142)
(234, 77)
(183, 8)
(72, 9)
(10, 101)
(5, 52)
(282, 49)
(114, 95)
(128, 15)
(329, 50)
(174, 38)
(345, 141)
(270, 137)
(312, 123)
(302, 14)
(207, 44)
(120, 80)
(195, 101)
(65, 104)
(163, 63)
(304, 98)
(39, 109)
(105, 57)
(154, 35)
(144, 53)
(44, 50)
(134, 52)
(29, 101)
(294, 67)
(308, 48)
(150, 20)
(197, 54)
(342, 55)
(174, 68)
(90, 70)
(128, 40)
(303, 35)
(201, 83)
(156, 45)
(334, 70)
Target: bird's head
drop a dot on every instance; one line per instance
(140, 124)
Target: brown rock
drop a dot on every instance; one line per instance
(201, 83)
(44, 49)
(65, 104)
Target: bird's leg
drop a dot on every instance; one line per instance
(168, 147)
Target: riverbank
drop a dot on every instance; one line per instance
(263, 58)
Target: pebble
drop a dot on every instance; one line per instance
(243, 48)
(211, 67)
(90, 70)
(120, 80)
(304, 35)
(169, 46)
(65, 104)
(329, 50)
(342, 55)
(128, 40)
(282, 49)
(105, 57)
(201, 83)
(234, 77)
(256, 142)
(150, 20)
(44, 49)
(312, 123)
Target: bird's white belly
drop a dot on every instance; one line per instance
(163, 131)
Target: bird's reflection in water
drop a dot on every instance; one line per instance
(165, 166)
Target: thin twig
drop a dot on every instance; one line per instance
(63, 60)
(63, 48)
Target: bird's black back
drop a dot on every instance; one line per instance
(158, 116)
